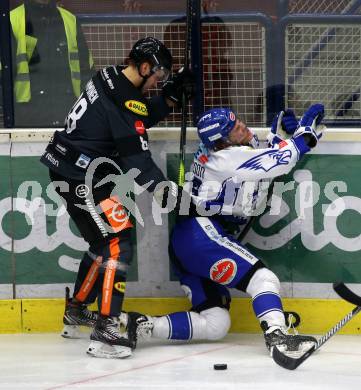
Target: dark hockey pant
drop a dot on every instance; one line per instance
(104, 224)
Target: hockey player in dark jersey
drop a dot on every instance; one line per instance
(109, 121)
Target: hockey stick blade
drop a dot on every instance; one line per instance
(292, 363)
(345, 293)
(289, 362)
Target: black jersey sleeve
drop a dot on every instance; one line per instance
(149, 171)
(158, 109)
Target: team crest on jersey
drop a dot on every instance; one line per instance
(223, 271)
(267, 160)
(137, 107)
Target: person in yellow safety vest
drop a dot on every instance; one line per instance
(51, 63)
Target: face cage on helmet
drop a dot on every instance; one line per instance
(161, 72)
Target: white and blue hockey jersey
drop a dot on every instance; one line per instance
(233, 182)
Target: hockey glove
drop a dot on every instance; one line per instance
(289, 122)
(313, 116)
(285, 123)
(273, 137)
(181, 82)
(310, 125)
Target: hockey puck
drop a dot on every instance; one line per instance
(220, 366)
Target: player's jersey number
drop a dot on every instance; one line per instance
(75, 114)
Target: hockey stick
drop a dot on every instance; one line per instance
(182, 141)
(292, 363)
(346, 294)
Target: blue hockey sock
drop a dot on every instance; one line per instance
(180, 326)
(266, 302)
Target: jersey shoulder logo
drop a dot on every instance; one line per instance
(267, 160)
(137, 107)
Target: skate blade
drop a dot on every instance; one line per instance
(71, 332)
(101, 350)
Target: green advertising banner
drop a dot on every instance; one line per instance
(314, 237)
(301, 243)
(6, 262)
(45, 243)
(317, 236)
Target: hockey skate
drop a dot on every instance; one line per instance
(107, 341)
(278, 336)
(138, 326)
(76, 314)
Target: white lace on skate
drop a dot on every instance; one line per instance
(144, 325)
(293, 346)
(145, 328)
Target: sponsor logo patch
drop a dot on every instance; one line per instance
(83, 161)
(223, 271)
(282, 144)
(210, 127)
(60, 148)
(137, 107)
(82, 191)
(120, 286)
(118, 214)
(52, 159)
(139, 127)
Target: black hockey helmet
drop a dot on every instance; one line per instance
(155, 52)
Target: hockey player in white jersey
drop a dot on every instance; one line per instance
(228, 171)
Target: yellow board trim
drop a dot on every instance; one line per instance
(45, 315)
(10, 316)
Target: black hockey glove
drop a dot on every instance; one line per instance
(181, 82)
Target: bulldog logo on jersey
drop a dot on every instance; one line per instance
(223, 271)
(137, 107)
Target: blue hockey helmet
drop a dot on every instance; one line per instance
(215, 124)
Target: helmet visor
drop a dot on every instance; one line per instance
(161, 72)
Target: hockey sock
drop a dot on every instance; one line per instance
(264, 289)
(210, 324)
(85, 289)
(176, 326)
(268, 307)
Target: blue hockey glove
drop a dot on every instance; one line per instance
(273, 137)
(289, 122)
(310, 125)
(313, 116)
(284, 124)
